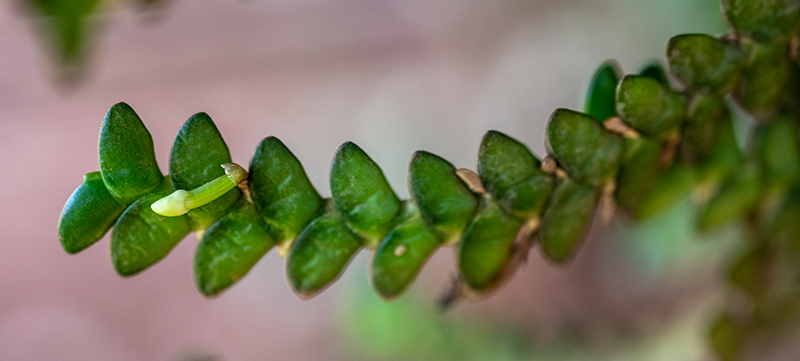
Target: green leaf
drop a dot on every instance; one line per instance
(674, 185)
(638, 173)
(401, 254)
(785, 228)
(700, 130)
(703, 62)
(88, 214)
(567, 219)
(361, 193)
(778, 150)
(726, 155)
(510, 172)
(230, 248)
(600, 96)
(589, 153)
(320, 254)
(648, 106)
(443, 198)
(763, 80)
(141, 237)
(485, 252)
(727, 338)
(735, 199)
(656, 72)
(127, 159)
(195, 159)
(763, 20)
(281, 191)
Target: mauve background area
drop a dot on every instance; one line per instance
(391, 76)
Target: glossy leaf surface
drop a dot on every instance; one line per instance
(567, 219)
(320, 254)
(230, 248)
(510, 172)
(141, 237)
(600, 96)
(88, 214)
(443, 198)
(127, 159)
(281, 191)
(361, 193)
(485, 251)
(589, 153)
(648, 106)
(195, 159)
(402, 253)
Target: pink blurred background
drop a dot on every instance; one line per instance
(391, 76)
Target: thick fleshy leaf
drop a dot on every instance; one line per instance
(703, 62)
(700, 130)
(638, 173)
(510, 172)
(763, 80)
(763, 20)
(656, 72)
(485, 252)
(320, 254)
(230, 248)
(281, 191)
(567, 219)
(361, 194)
(127, 159)
(443, 198)
(648, 106)
(589, 153)
(600, 96)
(195, 159)
(88, 214)
(734, 200)
(726, 155)
(778, 149)
(673, 186)
(401, 254)
(141, 237)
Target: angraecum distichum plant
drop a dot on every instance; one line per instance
(720, 126)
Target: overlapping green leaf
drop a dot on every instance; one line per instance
(320, 254)
(589, 153)
(648, 106)
(127, 158)
(195, 159)
(510, 172)
(567, 219)
(401, 254)
(704, 63)
(230, 248)
(443, 198)
(600, 96)
(485, 252)
(88, 214)
(361, 193)
(281, 191)
(141, 237)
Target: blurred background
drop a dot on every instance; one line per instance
(391, 76)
